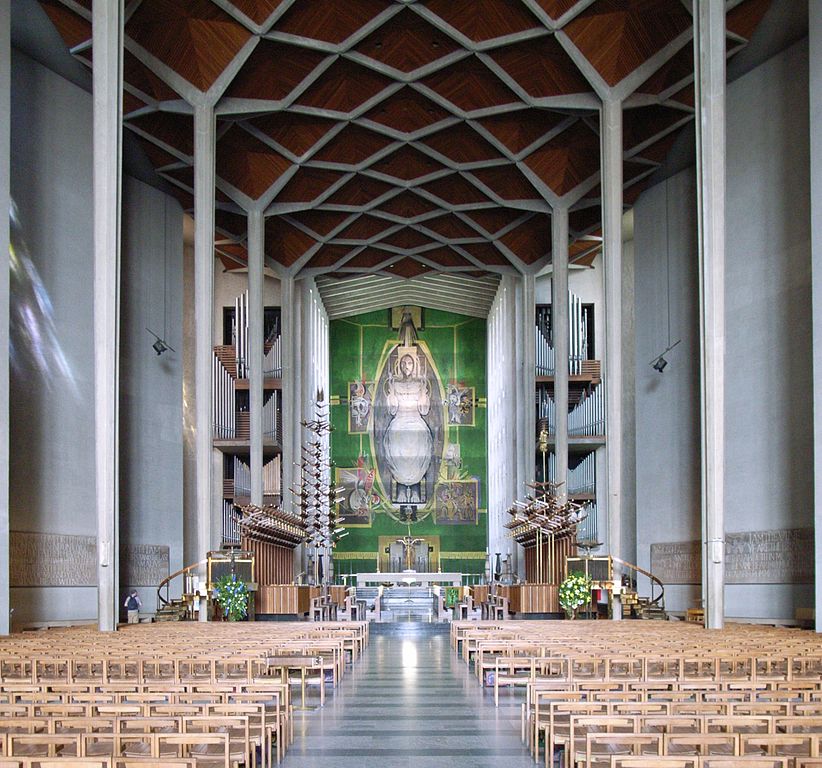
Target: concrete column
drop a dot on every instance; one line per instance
(525, 415)
(290, 325)
(107, 30)
(256, 311)
(709, 59)
(611, 138)
(5, 200)
(559, 323)
(204, 151)
(815, 93)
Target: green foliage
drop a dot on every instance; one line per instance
(575, 592)
(232, 597)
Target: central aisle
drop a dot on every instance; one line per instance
(409, 702)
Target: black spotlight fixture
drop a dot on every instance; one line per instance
(659, 362)
(159, 345)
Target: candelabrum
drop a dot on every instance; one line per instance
(316, 497)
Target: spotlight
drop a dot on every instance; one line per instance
(659, 362)
(159, 345)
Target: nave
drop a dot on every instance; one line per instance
(409, 701)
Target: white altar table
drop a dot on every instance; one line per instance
(409, 577)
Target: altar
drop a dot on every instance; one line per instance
(409, 577)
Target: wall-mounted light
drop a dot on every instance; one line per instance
(659, 362)
(160, 345)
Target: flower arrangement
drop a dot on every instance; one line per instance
(575, 592)
(232, 597)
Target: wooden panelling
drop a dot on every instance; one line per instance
(407, 43)
(352, 146)
(364, 228)
(553, 562)
(293, 131)
(555, 8)
(583, 220)
(743, 19)
(520, 129)
(616, 36)
(485, 253)
(408, 268)
(73, 28)
(322, 223)
(541, 67)
(531, 240)
(196, 38)
(568, 159)
(329, 255)
(492, 220)
(451, 227)
(248, 164)
(137, 74)
(284, 242)
(233, 223)
(641, 124)
(445, 257)
(481, 20)
(343, 87)
(507, 182)
(406, 164)
(358, 191)
(273, 599)
(307, 184)
(265, 77)
(331, 22)
(673, 71)
(407, 239)
(273, 564)
(407, 111)
(257, 10)
(454, 189)
(369, 258)
(470, 86)
(170, 128)
(462, 144)
(408, 205)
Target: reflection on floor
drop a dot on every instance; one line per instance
(409, 702)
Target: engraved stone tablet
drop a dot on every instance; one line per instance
(782, 556)
(64, 560)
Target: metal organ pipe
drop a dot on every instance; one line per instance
(224, 402)
(587, 418)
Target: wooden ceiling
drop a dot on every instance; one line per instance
(406, 138)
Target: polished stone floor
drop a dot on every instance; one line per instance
(409, 702)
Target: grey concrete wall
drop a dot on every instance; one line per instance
(768, 357)
(151, 452)
(52, 413)
(815, 111)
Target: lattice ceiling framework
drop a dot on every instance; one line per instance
(406, 138)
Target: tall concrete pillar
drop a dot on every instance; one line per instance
(5, 200)
(107, 31)
(561, 338)
(204, 151)
(256, 311)
(815, 98)
(611, 138)
(292, 397)
(709, 59)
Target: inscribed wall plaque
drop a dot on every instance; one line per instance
(752, 557)
(64, 560)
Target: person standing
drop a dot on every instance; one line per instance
(133, 605)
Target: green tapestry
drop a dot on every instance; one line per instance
(408, 402)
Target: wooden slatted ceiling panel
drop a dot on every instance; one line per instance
(257, 10)
(265, 77)
(195, 38)
(617, 36)
(407, 43)
(455, 92)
